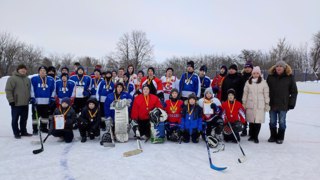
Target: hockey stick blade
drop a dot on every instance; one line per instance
(242, 159)
(109, 145)
(132, 153)
(37, 151)
(217, 168)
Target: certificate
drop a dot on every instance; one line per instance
(59, 122)
(79, 91)
(207, 108)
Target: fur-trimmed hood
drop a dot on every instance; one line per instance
(288, 70)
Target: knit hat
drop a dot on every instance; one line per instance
(152, 69)
(65, 74)
(43, 67)
(282, 64)
(224, 67)
(203, 68)
(80, 67)
(190, 63)
(256, 69)
(65, 67)
(98, 66)
(52, 68)
(231, 91)
(98, 70)
(172, 91)
(108, 72)
(248, 64)
(66, 100)
(208, 90)
(21, 66)
(233, 66)
(169, 69)
(192, 96)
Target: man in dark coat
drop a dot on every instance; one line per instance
(18, 89)
(283, 96)
(232, 81)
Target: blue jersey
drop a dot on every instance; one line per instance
(84, 82)
(42, 89)
(95, 83)
(189, 83)
(104, 89)
(205, 83)
(65, 89)
(129, 88)
(110, 98)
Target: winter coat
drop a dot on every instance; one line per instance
(283, 89)
(193, 121)
(18, 89)
(256, 100)
(92, 122)
(217, 83)
(233, 81)
(140, 110)
(216, 107)
(70, 117)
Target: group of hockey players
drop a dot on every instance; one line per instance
(109, 104)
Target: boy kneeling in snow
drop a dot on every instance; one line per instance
(89, 120)
(233, 114)
(173, 108)
(62, 123)
(191, 121)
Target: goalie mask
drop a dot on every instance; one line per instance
(157, 115)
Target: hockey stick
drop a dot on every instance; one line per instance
(37, 151)
(242, 159)
(134, 152)
(212, 166)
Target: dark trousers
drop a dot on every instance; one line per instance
(102, 123)
(22, 113)
(144, 128)
(66, 134)
(194, 136)
(43, 112)
(254, 129)
(79, 104)
(87, 130)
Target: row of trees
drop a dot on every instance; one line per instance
(136, 49)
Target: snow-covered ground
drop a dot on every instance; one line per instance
(297, 158)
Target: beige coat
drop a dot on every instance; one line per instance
(256, 101)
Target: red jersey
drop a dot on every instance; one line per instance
(174, 111)
(233, 112)
(143, 105)
(156, 83)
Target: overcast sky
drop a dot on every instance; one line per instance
(175, 27)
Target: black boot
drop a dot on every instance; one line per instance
(280, 136)
(35, 129)
(273, 136)
(244, 131)
(251, 132)
(256, 131)
(83, 139)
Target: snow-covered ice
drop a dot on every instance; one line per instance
(297, 158)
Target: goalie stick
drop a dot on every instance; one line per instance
(134, 152)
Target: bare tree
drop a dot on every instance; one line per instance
(135, 49)
(315, 54)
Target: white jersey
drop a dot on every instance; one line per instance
(169, 84)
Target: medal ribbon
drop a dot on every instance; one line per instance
(173, 107)
(231, 110)
(65, 113)
(81, 79)
(189, 110)
(115, 97)
(188, 79)
(146, 99)
(44, 81)
(92, 116)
